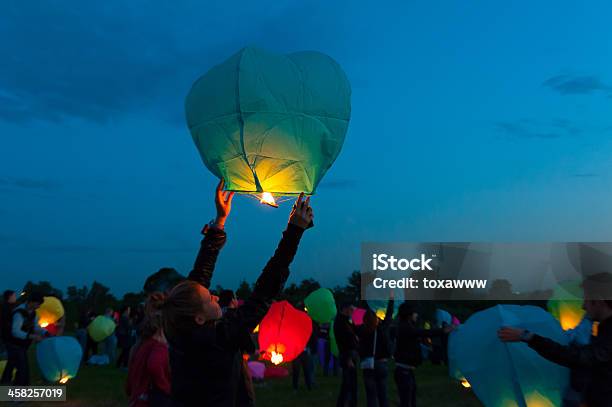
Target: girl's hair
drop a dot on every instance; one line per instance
(153, 319)
(183, 303)
(370, 321)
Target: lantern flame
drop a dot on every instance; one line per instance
(64, 380)
(44, 324)
(268, 199)
(465, 383)
(276, 358)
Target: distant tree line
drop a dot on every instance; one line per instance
(98, 297)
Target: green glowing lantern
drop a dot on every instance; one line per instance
(565, 304)
(320, 305)
(101, 328)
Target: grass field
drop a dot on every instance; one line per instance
(103, 386)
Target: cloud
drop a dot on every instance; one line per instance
(576, 84)
(99, 60)
(29, 184)
(530, 130)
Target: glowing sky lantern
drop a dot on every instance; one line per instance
(358, 315)
(50, 311)
(380, 306)
(270, 124)
(59, 358)
(443, 317)
(321, 305)
(565, 304)
(283, 333)
(101, 328)
(508, 374)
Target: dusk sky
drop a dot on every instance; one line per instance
(471, 121)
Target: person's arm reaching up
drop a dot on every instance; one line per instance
(275, 273)
(389, 311)
(214, 239)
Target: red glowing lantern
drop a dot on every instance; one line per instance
(283, 333)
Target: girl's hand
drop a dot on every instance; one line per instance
(223, 202)
(301, 214)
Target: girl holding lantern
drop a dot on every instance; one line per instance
(205, 355)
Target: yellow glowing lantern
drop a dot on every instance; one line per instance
(465, 383)
(50, 311)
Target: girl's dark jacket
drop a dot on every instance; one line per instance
(205, 363)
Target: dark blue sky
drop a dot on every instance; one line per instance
(471, 121)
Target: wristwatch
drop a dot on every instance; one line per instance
(526, 336)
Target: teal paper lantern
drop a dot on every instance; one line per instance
(443, 317)
(59, 358)
(266, 122)
(508, 374)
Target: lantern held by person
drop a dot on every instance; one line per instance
(50, 311)
(505, 374)
(283, 333)
(59, 358)
(270, 124)
(101, 328)
(321, 306)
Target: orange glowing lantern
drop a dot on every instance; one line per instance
(284, 333)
